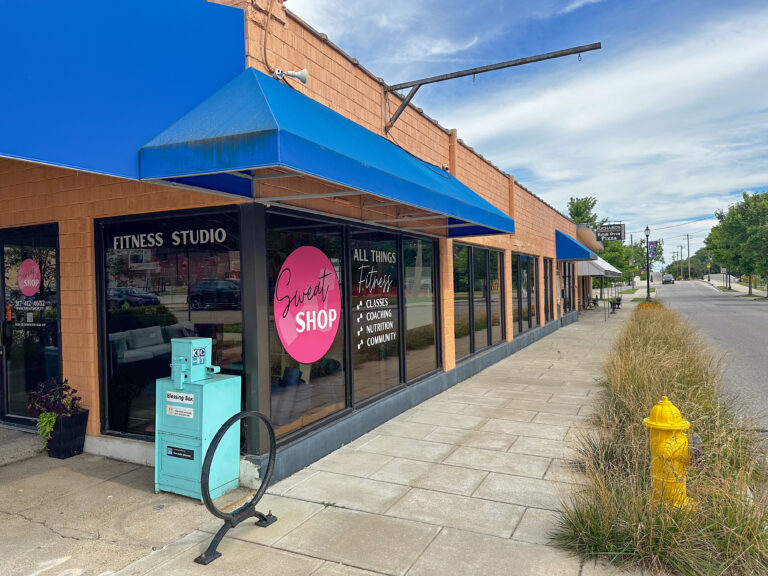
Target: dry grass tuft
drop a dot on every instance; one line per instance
(660, 354)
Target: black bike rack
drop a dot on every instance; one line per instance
(248, 510)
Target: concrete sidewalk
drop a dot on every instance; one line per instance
(717, 280)
(468, 482)
(18, 444)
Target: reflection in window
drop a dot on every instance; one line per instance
(375, 325)
(547, 289)
(461, 326)
(515, 280)
(497, 312)
(480, 296)
(534, 287)
(419, 293)
(525, 295)
(167, 278)
(303, 393)
(30, 305)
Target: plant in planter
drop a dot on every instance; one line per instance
(61, 419)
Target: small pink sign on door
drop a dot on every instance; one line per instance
(29, 277)
(307, 304)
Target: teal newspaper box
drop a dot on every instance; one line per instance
(191, 407)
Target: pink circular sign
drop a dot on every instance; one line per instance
(307, 304)
(29, 277)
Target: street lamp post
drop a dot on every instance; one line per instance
(647, 267)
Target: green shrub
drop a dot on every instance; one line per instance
(131, 318)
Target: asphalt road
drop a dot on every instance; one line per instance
(738, 328)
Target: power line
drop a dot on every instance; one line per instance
(677, 225)
(694, 232)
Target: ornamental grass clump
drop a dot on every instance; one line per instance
(614, 517)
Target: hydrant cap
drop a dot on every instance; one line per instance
(666, 416)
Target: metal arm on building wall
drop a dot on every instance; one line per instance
(414, 85)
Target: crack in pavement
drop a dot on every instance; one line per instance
(42, 523)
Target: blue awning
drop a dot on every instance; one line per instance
(255, 123)
(566, 248)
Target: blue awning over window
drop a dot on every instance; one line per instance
(567, 248)
(255, 123)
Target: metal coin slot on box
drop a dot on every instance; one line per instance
(191, 406)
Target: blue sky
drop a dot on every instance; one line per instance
(664, 125)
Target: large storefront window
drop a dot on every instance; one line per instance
(480, 296)
(420, 307)
(533, 276)
(375, 326)
(497, 288)
(479, 303)
(525, 294)
(567, 286)
(166, 278)
(461, 316)
(515, 280)
(525, 287)
(548, 292)
(304, 390)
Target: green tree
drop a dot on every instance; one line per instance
(740, 238)
(753, 214)
(582, 211)
(699, 262)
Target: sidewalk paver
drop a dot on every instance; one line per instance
(460, 552)
(369, 541)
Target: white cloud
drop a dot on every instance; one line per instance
(576, 4)
(403, 39)
(656, 134)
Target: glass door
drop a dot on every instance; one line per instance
(30, 324)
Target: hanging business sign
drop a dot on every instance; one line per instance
(610, 232)
(29, 278)
(307, 304)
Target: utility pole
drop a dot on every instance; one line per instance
(688, 238)
(681, 261)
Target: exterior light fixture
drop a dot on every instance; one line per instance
(301, 75)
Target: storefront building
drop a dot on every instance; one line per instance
(344, 275)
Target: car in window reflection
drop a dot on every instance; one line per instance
(214, 294)
(128, 296)
(667, 279)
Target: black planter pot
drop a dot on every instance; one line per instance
(68, 436)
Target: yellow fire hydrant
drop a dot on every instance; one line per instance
(670, 456)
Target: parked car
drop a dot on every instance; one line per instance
(214, 294)
(127, 296)
(667, 279)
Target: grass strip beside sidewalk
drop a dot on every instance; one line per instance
(614, 518)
